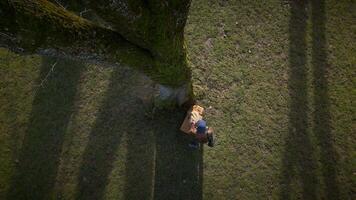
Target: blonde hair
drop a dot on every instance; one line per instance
(198, 109)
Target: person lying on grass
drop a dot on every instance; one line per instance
(203, 134)
(195, 126)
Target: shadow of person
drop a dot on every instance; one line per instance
(300, 156)
(52, 108)
(298, 159)
(321, 115)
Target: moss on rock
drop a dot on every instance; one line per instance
(146, 36)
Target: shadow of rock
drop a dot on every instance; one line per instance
(159, 163)
(52, 108)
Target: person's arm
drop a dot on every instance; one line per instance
(193, 129)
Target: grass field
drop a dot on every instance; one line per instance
(277, 78)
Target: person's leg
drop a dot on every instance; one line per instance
(194, 144)
(210, 140)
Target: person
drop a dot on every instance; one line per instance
(203, 134)
(195, 126)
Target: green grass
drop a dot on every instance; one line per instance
(277, 79)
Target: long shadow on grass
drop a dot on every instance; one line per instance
(298, 160)
(42, 144)
(158, 163)
(177, 170)
(322, 121)
(112, 122)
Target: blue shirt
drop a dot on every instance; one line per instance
(201, 127)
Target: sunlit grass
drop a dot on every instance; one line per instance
(281, 101)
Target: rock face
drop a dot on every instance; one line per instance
(146, 35)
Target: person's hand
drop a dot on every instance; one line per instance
(210, 131)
